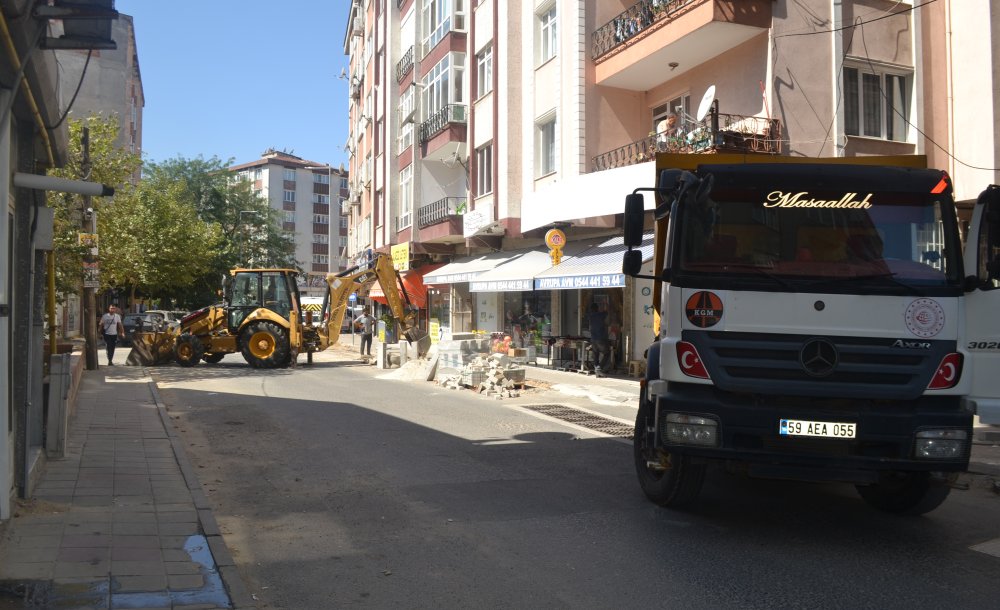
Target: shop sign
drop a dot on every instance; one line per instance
(474, 220)
(601, 280)
(500, 286)
(400, 256)
(555, 240)
(453, 278)
(89, 240)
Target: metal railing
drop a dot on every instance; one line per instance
(440, 210)
(404, 65)
(717, 133)
(450, 113)
(641, 18)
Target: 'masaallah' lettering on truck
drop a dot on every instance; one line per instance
(779, 199)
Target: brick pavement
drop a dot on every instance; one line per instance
(122, 521)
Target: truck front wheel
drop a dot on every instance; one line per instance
(905, 493)
(667, 479)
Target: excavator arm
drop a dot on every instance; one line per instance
(379, 269)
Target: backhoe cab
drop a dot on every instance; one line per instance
(263, 318)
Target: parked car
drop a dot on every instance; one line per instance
(145, 321)
(172, 318)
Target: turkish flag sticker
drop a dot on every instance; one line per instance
(704, 309)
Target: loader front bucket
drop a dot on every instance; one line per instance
(152, 348)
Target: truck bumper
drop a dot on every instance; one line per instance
(748, 433)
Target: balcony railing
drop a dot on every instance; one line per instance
(451, 113)
(641, 18)
(440, 210)
(718, 133)
(404, 65)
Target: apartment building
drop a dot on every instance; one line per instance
(309, 197)
(477, 127)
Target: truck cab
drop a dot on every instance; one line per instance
(815, 325)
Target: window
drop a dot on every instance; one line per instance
(343, 242)
(406, 107)
(343, 222)
(484, 169)
(257, 173)
(679, 106)
(547, 35)
(405, 197)
(290, 216)
(484, 72)
(876, 105)
(545, 146)
(321, 219)
(444, 84)
(289, 174)
(319, 198)
(405, 137)
(321, 259)
(437, 18)
(319, 238)
(343, 184)
(290, 196)
(321, 178)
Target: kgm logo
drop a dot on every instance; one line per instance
(703, 309)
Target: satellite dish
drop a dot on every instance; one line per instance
(706, 103)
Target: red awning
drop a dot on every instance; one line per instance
(413, 281)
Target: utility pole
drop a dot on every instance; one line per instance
(89, 225)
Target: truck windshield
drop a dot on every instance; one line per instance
(899, 241)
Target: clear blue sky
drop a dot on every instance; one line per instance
(231, 78)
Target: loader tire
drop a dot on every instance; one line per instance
(265, 345)
(213, 358)
(188, 350)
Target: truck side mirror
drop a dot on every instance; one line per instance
(633, 221)
(632, 263)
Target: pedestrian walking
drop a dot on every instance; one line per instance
(599, 339)
(367, 324)
(111, 326)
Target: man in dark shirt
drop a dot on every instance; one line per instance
(599, 339)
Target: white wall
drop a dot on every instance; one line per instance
(642, 314)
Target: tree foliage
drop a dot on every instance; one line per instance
(109, 165)
(174, 234)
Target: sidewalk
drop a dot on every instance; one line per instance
(122, 521)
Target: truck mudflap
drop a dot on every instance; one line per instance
(876, 436)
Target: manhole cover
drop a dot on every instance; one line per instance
(597, 423)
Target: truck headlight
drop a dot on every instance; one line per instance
(683, 429)
(949, 444)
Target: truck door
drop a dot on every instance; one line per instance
(982, 306)
(245, 298)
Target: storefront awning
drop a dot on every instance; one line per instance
(597, 267)
(513, 275)
(413, 281)
(465, 269)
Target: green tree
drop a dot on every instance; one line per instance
(251, 230)
(109, 165)
(152, 239)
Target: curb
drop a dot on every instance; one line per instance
(231, 579)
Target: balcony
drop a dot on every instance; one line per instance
(441, 210)
(718, 133)
(404, 65)
(632, 50)
(443, 135)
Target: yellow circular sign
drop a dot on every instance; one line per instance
(555, 238)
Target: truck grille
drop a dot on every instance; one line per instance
(777, 364)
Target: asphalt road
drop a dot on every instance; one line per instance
(336, 488)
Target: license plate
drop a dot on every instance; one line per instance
(825, 429)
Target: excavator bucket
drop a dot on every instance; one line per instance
(152, 348)
(420, 338)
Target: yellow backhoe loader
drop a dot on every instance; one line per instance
(263, 318)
